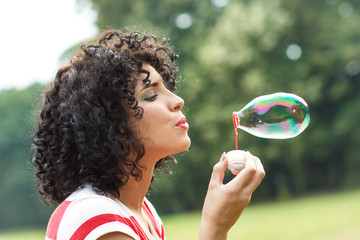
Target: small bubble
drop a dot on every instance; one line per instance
(353, 68)
(293, 52)
(219, 3)
(345, 9)
(183, 21)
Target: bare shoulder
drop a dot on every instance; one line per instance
(115, 236)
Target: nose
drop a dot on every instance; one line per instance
(176, 103)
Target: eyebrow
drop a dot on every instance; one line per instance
(152, 84)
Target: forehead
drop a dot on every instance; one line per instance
(150, 75)
(153, 74)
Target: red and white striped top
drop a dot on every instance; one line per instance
(87, 215)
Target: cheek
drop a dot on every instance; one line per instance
(152, 125)
(140, 128)
(151, 119)
(146, 128)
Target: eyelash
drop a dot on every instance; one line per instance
(151, 98)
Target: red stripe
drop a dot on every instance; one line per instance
(152, 220)
(162, 232)
(91, 224)
(136, 228)
(54, 222)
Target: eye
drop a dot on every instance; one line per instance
(150, 96)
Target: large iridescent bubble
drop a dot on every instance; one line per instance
(277, 116)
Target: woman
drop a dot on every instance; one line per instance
(108, 120)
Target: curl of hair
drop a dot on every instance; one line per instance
(83, 133)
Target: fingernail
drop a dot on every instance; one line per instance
(222, 157)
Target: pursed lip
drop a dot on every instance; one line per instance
(182, 123)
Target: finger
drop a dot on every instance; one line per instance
(259, 175)
(218, 172)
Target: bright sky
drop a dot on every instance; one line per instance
(34, 33)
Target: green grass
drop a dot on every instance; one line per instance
(22, 234)
(324, 217)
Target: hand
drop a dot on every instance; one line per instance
(224, 203)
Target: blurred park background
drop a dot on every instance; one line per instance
(231, 51)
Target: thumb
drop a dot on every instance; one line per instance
(218, 172)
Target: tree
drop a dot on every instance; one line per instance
(232, 54)
(16, 176)
(252, 48)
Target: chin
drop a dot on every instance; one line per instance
(186, 145)
(181, 147)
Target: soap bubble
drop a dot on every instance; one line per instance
(293, 52)
(276, 116)
(183, 21)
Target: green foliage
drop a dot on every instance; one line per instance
(245, 57)
(230, 55)
(19, 204)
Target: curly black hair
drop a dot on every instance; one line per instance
(83, 134)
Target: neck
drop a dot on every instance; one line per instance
(133, 193)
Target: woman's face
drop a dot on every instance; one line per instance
(163, 128)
